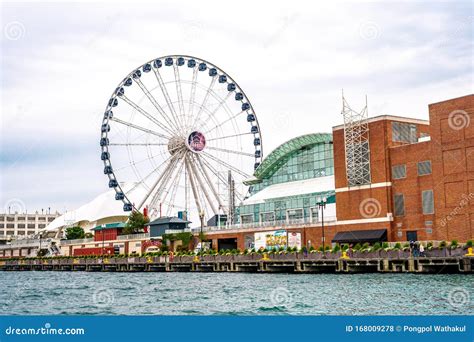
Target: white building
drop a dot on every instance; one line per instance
(17, 225)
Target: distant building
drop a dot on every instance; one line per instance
(101, 210)
(167, 225)
(19, 225)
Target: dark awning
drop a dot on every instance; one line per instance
(361, 236)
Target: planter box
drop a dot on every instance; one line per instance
(160, 259)
(437, 253)
(314, 256)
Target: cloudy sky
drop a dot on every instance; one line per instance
(60, 63)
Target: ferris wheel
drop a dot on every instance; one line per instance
(180, 136)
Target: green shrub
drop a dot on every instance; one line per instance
(442, 245)
(376, 246)
(469, 243)
(357, 247)
(454, 244)
(397, 246)
(336, 248)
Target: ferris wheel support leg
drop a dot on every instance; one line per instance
(201, 184)
(158, 194)
(157, 182)
(172, 189)
(193, 186)
(239, 196)
(209, 182)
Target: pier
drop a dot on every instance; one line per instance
(254, 263)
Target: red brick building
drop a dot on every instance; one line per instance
(421, 182)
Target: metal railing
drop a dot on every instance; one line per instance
(77, 241)
(272, 224)
(133, 236)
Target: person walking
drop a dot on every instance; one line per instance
(422, 250)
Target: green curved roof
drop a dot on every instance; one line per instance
(279, 155)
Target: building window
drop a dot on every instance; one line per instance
(314, 214)
(10, 225)
(10, 218)
(41, 218)
(20, 232)
(245, 219)
(41, 226)
(2, 225)
(399, 171)
(31, 225)
(399, 200)
(31, 218)
(427, 202)
(267, 217)
(293, 215)
(51, 219)
(404, 132)
(21, 218)
(424, 168)
(21, 225)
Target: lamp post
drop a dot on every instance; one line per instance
(321, 202)
(201, 217)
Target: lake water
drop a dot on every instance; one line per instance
(81, 293)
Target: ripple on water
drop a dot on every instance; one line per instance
(231, 294)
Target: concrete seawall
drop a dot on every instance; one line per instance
(291, 263)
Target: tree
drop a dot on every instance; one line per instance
(136, 222)
(74, 233)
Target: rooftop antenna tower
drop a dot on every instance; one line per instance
(356, 142)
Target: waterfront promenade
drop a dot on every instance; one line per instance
(395, 262)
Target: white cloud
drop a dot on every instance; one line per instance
(291, 61)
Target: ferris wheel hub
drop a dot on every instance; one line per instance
(176, 144)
